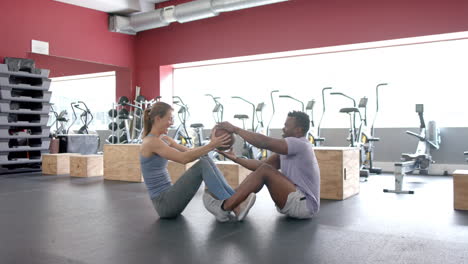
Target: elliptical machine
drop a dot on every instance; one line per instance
(181, 135)
(429, 138)
(61, 119)
(85, 117)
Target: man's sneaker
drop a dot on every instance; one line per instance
(214, 206)
(245, 206)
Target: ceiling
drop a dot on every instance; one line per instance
(115, 6)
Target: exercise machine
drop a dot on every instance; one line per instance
(86, 117)
(218, 109)
(60, 122)
(368, 137)
(273, 111)
(313, 137)
(428, 139)
(248, 150)
(357, 137)
(181, 134)
(319, 139)
(136, 134)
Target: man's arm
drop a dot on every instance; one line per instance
(258, 140)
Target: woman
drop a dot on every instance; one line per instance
(157, 148)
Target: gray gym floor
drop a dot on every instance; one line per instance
(56, 219)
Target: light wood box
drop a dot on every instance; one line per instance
(177, 169)
(55, 164)
(233, 172)
(122, 162)
(86, 165)
(460, 189)
(339, 172)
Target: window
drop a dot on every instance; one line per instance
(433, 74)
(97, 91)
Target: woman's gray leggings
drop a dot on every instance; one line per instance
(172, 202)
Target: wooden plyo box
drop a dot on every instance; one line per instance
(339, 172)
(460, 189)
(86, 165)
(233, 172)
(177, 169)
(55, 164)
(122, 162)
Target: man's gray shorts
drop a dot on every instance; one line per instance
(296, 206)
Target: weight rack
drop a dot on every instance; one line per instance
(24, 112)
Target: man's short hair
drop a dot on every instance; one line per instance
(302, 120)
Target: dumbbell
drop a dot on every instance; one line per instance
(112, 139)
(123, 100)
(113, 126)
(112, 113)
(123, 113)
(140, 98)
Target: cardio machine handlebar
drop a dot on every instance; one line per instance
(295, 99)
(253, 109)
(273, 108)
(377, 105)
(323, 109)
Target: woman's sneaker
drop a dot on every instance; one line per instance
(245, 206)
(214, 206)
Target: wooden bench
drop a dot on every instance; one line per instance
(177, 169)
(460, 189)
(86, 165)
(122, 162)
(339, 172)
(56, 164)
(233, 172)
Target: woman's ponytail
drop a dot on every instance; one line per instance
(158, 109)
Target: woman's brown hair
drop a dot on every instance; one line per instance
(158, 109)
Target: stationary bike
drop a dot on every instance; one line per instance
(429, 139)
(357, 137)
(248, 150)
(367, 136)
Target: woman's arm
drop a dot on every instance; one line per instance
(156, 145)
(251, 164)
(173, 144)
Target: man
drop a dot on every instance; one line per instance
(295, 189)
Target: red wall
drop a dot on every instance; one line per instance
(293, 25)
(82, 34)
(72, 32)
